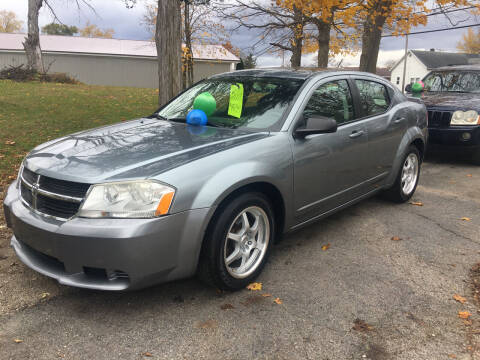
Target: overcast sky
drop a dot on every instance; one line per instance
(127, 24)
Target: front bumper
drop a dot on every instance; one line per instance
(107, 254)
(455, 136)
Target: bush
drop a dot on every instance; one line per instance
(22, 73)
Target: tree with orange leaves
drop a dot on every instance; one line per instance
(470, 42)
(334, 23)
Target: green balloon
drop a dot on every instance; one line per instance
(205, 102)
(417, 87)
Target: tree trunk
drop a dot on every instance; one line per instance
(372, 35)
(296, 59)
(168, 38)
(188, 43)
(32, 41)
(323, 39)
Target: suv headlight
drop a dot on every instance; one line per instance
(469, 117)
(129, 199)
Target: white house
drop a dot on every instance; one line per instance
(420, 62)
(113, 62)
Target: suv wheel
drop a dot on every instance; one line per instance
(238, 242)
(407, 178)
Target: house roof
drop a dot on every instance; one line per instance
(435, 59)
(100, 46)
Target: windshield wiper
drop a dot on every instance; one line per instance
(161, 117)
(183, 120)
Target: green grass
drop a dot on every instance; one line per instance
(33, 112)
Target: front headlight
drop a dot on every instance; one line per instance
(469, 117)
(130, 199)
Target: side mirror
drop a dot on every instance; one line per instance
(317, 125)
(408, 88)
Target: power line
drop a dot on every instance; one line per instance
(431, 31)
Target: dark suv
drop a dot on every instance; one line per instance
(452, 97)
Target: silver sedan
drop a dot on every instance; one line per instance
(210, 181)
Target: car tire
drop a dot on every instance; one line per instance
(243, 225)
(407, 177)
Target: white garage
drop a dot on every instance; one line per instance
(111, 61)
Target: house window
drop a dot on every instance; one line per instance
(398, 80)
(418, 79)
(412, 80)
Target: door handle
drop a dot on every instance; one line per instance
(398, 121)
(356, 134)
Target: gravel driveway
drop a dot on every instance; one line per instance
(365, 296)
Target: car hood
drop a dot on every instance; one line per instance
(136, 149)
(452, 100)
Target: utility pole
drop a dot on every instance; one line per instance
(405, 63)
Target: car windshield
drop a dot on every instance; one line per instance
(249, 103)
(453, 81)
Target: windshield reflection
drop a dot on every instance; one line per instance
(453, 81)
(262, 105)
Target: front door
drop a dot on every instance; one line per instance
(329, 169)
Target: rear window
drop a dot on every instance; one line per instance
(374, 97)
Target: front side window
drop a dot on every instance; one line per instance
(332, 100)
(453, 81)
(374, 97)
(242, 102)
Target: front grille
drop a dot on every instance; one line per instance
(439, 119)
(50, 196)
(67, 188)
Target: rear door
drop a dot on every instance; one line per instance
(385, 124)
(329, 169)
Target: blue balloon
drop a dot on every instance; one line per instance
(197, 117)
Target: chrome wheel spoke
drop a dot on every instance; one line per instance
(254, 227)
(235, 237)
(245, 222)
(235, 255)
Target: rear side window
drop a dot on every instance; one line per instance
(332, 100)
(374, 97)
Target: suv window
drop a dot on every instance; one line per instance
(374, 97)
(332, 100)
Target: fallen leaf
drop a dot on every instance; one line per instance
(465, 218)
(227, 307)
(396, 238)
(278, 301)
(469, 175)
(325, 247)
(266, 295)
(209, 324)
(255, 286)
(417, 203)
(452, 356)
(460, 299)
(44, 295)
(147, 354)
(361, 325)
(9, 142)
(18, 341)
(464, 314)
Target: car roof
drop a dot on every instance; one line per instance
(301, 73)
(474, 67)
